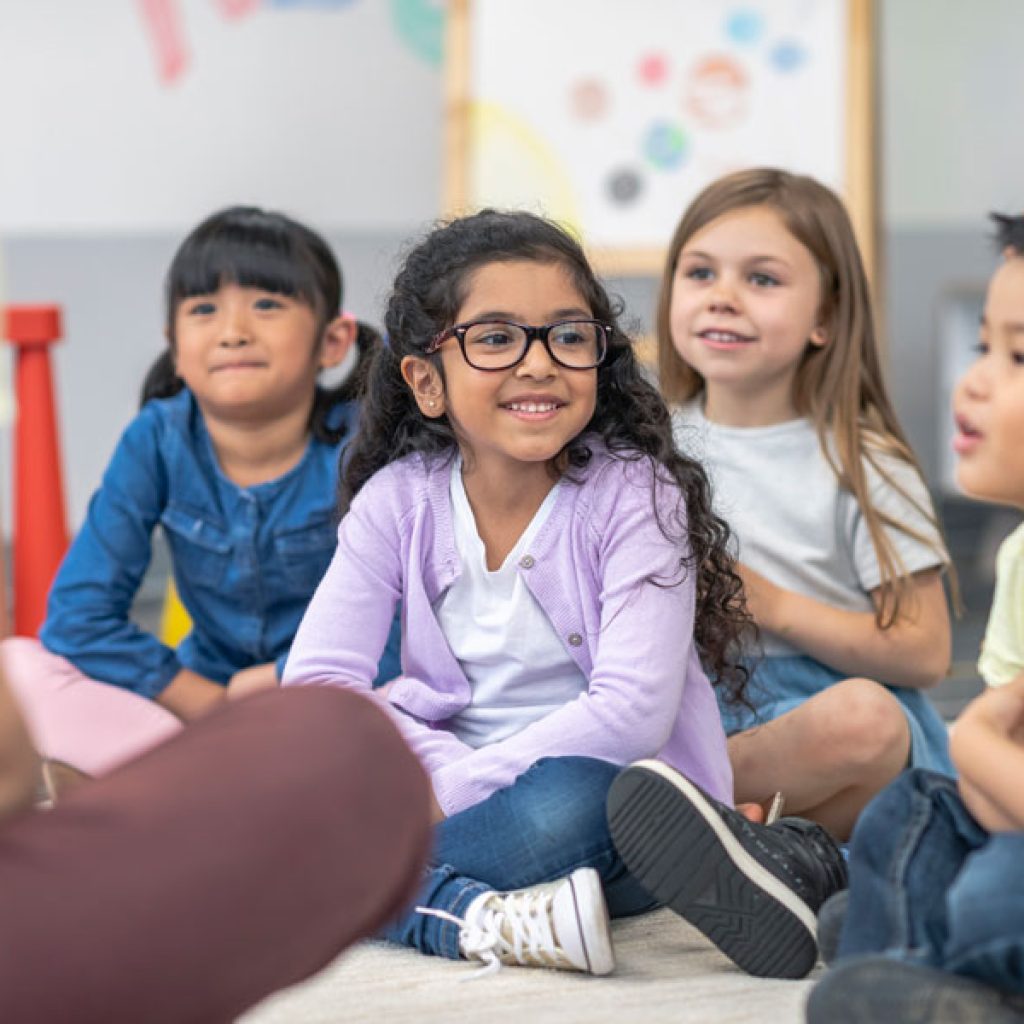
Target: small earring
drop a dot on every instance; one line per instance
(431, 403)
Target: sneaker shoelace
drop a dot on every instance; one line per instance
(525, 916)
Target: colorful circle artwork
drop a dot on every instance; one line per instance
(515, 167)
(588, 100)
(625, 186)
(744, 26)
(666, 145)
(322, 4)
(788, 55)
(653, 69)
(716, 93)
(420, 25)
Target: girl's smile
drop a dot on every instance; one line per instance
(724, 340)
(533, 408)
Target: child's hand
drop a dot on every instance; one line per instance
(999, 709)
(987, 747)
(252, 680)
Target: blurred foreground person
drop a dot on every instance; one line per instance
(238, 858)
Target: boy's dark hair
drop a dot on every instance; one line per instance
(254, 248)
(1009, 232)
(630, 416)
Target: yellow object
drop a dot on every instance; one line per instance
(1002, 651)
(175, 623)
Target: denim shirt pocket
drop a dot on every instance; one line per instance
(304, 552)
(201, 550)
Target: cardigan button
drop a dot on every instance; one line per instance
(575, 639)
(527, 562)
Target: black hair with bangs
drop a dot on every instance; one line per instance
(254, 248)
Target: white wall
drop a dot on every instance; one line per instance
(329, 111)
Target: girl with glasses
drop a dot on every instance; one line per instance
(565, 588)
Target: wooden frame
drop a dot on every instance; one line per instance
(859, 190)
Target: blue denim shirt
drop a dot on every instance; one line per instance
(246, 559)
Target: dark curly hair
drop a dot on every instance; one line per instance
(1009, 232)
(630, 416)
(257, 248)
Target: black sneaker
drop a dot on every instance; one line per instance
(752, 889)
(867, 990)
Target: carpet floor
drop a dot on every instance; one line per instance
(666, 972)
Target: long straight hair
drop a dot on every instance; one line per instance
(840, 386)
(247, 246)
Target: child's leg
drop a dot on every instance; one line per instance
(908, 848)
(238, 858)
(985, 914)
(828, 757)
(89, 725)
(549, 823)
(752, 889)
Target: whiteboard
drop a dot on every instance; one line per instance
(141, 116)
(611, 116)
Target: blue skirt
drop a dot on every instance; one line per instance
(780, 684)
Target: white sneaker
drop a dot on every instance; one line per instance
(562, 924)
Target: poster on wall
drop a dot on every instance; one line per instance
(610, 117)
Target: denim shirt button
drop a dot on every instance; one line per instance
(527, 562)
(575, 640)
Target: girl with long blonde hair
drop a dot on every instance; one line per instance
(769, 355)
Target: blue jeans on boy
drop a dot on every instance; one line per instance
(544, 826)
(930, 886)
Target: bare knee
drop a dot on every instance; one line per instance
(863, 726)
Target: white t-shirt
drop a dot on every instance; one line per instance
(791, 520)
(517, 667)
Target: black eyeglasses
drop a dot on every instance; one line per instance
(501, 344)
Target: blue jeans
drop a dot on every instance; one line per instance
(549, 822)
(930, 886)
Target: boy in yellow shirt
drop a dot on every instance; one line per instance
(934, 927)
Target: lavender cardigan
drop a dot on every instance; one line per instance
(589, 568)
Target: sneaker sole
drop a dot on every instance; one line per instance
(592, 913)
(676, 845)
